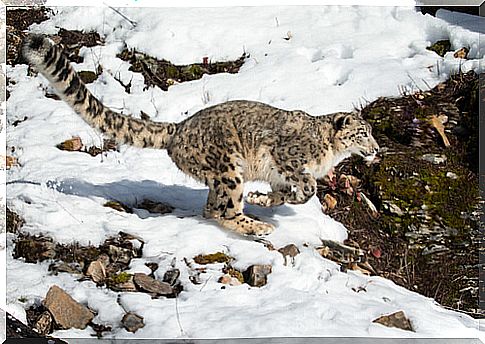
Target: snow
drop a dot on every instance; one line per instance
(336, 59)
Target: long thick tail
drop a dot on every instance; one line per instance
(49, 60)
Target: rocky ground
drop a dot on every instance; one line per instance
(413, 215)
(416, 211)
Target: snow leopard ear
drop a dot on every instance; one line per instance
(341, 120)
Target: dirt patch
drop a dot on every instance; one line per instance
(14, 221)
(163, 73)
(18, 20)
(426, 234)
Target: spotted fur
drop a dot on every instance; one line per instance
(226, 144)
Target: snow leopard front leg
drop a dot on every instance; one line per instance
(297, 188)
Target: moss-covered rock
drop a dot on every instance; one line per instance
(218, 257)
(440, 47)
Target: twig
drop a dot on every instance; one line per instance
(414, 82)
(133, 23)
(206, 281)
(182, 332)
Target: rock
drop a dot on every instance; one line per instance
(100, 329)
(155, 207)
(10, 161)
(234, 274)
(434, 158)
(218, 257)
(118, 206)
(330, 201)
(74, 144)
(171, 276)
(43, 325)
(441, 47)
(66, 311)
(132, 322)
(256, 275)
(397, 319)
(152, 266)
(434, 249)
(72, 268)
(122, 282)
(87, 76)
(131, 238)
(289, 250)
(228, 279)
(461, 54)
(120, 254)
(97, 269)
(151, 285)
(392, 208)
(451, 175)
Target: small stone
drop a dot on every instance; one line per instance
(87, 76)
(74, 144)
(156, 207)
(132, 322)
(462, 53)
(43, 325)
(72, 268)
(330, 201)
(228, 279)
(171, 276)
(119, 254)
(289, 251)
(434, 249)
(397, 319)
(66, 311)
(151, 285)
(441, 47)
(10, 161)
(393, 209)
(434, 158)
(118, 206)
(256, 275)
(152, 266)
(451, 175)
(97, 271)
(122, 284)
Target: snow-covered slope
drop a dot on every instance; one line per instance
(336, 59)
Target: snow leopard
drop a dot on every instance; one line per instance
(224, 145)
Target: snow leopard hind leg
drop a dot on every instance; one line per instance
(225, 205)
